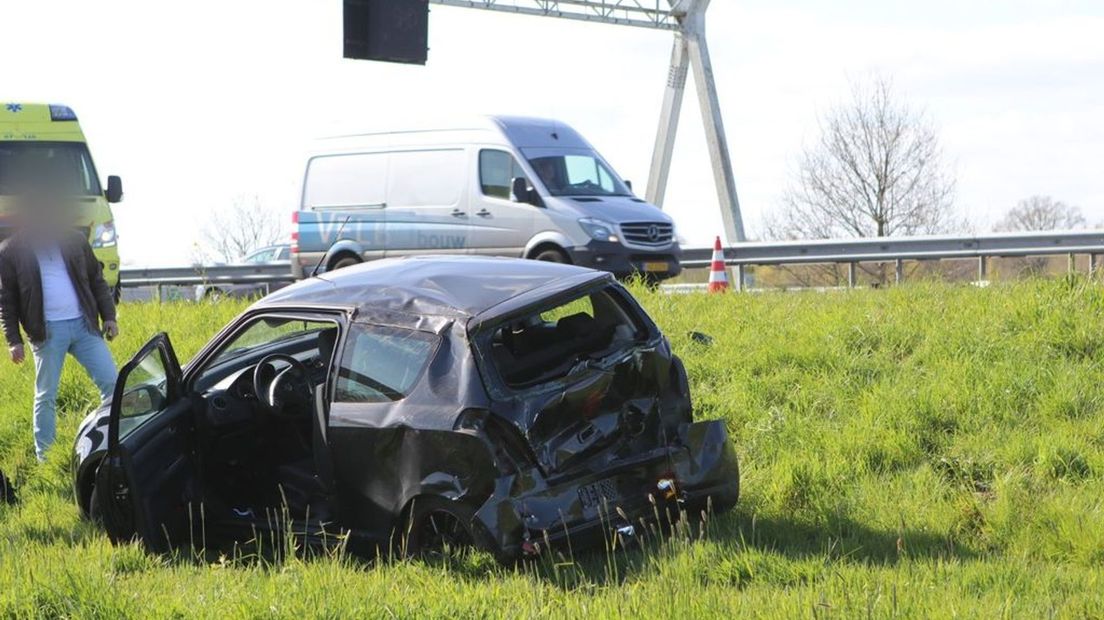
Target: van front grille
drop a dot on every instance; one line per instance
(655, 234)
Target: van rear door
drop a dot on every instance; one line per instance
(344, 200)
(427, 202)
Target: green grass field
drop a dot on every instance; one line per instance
(923, 451)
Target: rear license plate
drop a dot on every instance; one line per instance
(655, 266)
(595, 494)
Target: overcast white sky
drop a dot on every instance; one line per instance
(196, 104)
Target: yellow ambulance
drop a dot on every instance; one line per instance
(31, 132)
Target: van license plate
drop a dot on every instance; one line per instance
(595, 494)
(655, 266)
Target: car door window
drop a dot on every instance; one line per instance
(497, 171)
(382, 364)
(145, 382)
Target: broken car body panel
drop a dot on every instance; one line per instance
(528, 400)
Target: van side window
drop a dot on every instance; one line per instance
(356, 180)
(382, 364)
(497, 170)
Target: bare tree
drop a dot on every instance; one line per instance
(238, 230)
(1041, 213)
(876, 170)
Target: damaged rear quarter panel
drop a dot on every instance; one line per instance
(628, 403)
(386, 454)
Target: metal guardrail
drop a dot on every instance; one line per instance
(213, 275)
(838, 251)
(899, 249)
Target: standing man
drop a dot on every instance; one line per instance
(52, 285)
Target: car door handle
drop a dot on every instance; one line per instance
(458, 213)
(483, 213)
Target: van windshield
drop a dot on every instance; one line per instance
(576, 173)
(64, 167)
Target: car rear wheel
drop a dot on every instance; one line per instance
(437, 526)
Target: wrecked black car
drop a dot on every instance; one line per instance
(500, 403)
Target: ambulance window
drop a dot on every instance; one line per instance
(61, 166)
(497, 170)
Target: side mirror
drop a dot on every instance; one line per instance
(519, 187)
(628, 184)
(114, 191)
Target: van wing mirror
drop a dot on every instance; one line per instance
(628, 185)
(519, 187)
(114, 191)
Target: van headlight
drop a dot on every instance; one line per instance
(104, 235)
(599, 230)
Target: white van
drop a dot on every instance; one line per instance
(502, 186)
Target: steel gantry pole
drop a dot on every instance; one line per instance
(686, 18)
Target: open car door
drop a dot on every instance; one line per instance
(146, 483)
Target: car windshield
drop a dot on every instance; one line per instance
(576, 173)
(302, 338)
(64, 167)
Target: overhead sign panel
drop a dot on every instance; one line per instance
(387, 30)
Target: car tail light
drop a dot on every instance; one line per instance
(295, 233)
(667, 488)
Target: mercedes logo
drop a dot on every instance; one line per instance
(653, 233)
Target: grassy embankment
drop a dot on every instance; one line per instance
(927, 450)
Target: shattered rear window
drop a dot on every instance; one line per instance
(552, 342)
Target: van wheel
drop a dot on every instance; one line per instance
(343, 261)
(552, 255)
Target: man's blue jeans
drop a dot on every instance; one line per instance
(62, 337)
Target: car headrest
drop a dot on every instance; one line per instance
(576, 325)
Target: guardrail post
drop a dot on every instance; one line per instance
(739, 277)
(157, 290)
(1071, 263)
(1092, 265)
(983, 268)
(852, 274)
(899, 270)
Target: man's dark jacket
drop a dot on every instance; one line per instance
(21, 287)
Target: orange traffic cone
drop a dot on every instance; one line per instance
(718, 279)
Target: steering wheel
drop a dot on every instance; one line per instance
(276, 390)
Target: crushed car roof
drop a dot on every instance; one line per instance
(455, 286)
